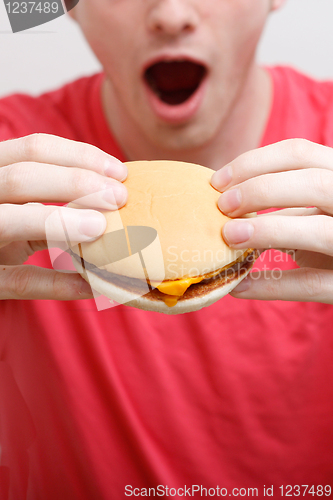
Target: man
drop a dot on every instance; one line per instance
(227, 401)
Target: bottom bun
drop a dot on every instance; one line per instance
(149, 302)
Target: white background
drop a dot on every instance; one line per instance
(300, 34)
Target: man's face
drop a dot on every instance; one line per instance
(175, 67)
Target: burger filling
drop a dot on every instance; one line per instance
(176, 288)
(172, 291)
(175, 81)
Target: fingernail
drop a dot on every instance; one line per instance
(230, 201)
(222, 178)
(115, 169)
(237, 231)
(84, 288)
(92, 224)
(115, 194)
(243, 286)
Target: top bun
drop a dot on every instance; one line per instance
(177, 200)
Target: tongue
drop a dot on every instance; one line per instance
(176, 76)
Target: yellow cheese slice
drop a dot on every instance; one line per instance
(170, 301)
(178, 287)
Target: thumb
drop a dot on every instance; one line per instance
(30, 282)
(303, 284)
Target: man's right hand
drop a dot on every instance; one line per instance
(39, 169)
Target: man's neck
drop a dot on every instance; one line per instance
(241, 131)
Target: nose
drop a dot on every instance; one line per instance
(172, 17)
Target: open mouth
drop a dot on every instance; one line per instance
(174, 82)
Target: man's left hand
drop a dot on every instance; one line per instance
(294, 173)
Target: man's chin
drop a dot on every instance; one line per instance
(186, 137)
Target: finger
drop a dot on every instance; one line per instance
(304, 258)
(314, 233)
(292, 154)
(311, 187)
(18, 252)
(306, 285)
(23, 182)
(35, 221)
(46, 148)
(297, 211)
(30, 282)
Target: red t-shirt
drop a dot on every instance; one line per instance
(237, 395)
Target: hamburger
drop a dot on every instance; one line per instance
(164, 251)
